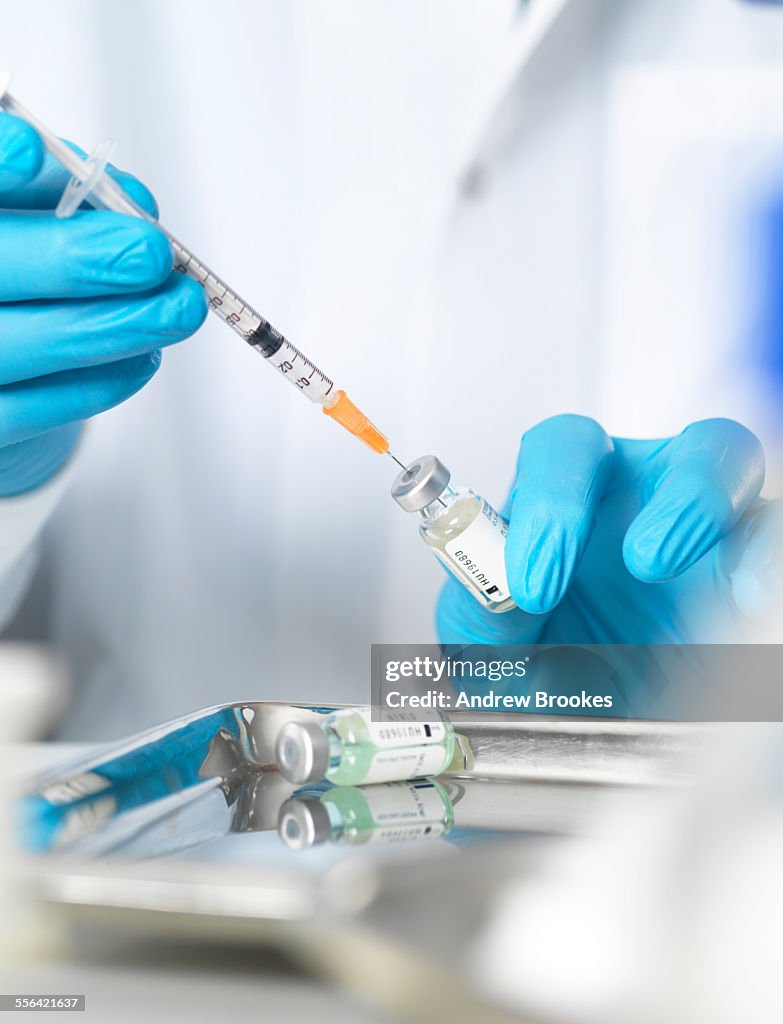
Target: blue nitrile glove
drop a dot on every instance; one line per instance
(86, 304)
(631, 542)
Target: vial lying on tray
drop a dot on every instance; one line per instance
(463, 530)
(348, 748)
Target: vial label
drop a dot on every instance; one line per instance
(404, 749)
(402, 731)
(478, 553)
(405, 763)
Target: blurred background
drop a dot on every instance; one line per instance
(474, 216)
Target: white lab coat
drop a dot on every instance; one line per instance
(470, 216)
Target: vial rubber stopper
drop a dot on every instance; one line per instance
(420, 484)
(302, 750)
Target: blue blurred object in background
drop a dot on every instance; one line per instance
(769, 328)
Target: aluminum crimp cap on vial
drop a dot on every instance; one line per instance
(303, 822)
(420, 484)
(302, 751)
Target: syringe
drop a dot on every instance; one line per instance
(93, 185)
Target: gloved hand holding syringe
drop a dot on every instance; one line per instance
(91, 184)
(463, 530)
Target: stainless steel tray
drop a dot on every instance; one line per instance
(212, 773)
(174, 831)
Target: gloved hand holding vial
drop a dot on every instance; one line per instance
(630, 542)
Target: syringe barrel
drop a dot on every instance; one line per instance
(224, 302)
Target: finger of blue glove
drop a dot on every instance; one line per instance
(564, 466)
(21, 152)
(33, 407)
(48, 337)
(42, 189)
(92, 253)
(702, 481)
(757, 578)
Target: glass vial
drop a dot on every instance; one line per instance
(464, 531)
(391, 812)
(348, 749)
